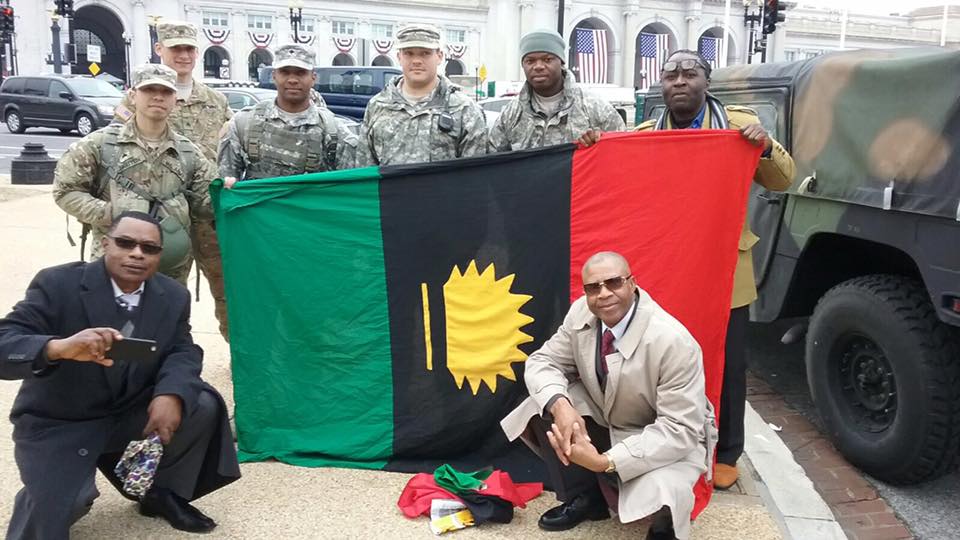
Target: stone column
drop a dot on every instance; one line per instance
(236, 44)
(324, 44)
(140, 47)
(629, 48)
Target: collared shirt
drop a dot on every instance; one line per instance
(131, 299)
(621, 327)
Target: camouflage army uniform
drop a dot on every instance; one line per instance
(522, 124)
(395, 131)
(200, 118)
(175, 173)
(259, 143)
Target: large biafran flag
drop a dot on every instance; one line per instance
(380, 318)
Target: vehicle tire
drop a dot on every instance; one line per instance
(84, 124)
(15, 122)
(884, 374)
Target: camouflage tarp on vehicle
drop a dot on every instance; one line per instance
(878, 127)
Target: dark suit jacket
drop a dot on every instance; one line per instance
(64, 414)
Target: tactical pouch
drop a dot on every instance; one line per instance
(176, 244)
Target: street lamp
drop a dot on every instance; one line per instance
(55, 30)
(153, 20)
(296, 19)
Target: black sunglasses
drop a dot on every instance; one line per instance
(612, 284)
(128, 244)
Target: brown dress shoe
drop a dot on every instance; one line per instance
(724, 475)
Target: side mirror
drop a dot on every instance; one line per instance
(66, 95)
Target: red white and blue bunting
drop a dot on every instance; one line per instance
(344, 44)
(456, 50)
(260, 41)
(305, 39)
(216, 35)
(383, 46)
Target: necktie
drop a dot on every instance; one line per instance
(606, 347)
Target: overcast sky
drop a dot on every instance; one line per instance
(878, 6)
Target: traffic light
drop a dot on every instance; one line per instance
(6, 20)
(64, 8)
(773, 13)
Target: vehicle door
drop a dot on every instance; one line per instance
(766, 208)
(11, 92)
(58, 108)
(35, 96)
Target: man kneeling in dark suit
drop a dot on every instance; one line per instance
(77, 408)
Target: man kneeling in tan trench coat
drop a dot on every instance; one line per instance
(617, 404)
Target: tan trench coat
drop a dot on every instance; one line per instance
(661, 425)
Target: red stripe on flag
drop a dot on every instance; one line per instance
(675, 210)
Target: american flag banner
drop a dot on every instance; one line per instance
(711, 49)
(653, 52)
(383, 46)
(344, 44)
(592, 55)
(216, 35)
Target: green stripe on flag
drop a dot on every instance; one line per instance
(296, 387)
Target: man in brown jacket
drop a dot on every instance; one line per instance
(685, 79)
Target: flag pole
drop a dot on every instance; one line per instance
(843, 28)
(726, 32)
(943, 27)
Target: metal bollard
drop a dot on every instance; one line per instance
(33, 166)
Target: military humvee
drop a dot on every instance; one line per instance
(866, 243)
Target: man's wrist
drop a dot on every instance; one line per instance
(609, 465)
(52, 350)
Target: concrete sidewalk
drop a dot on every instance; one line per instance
(773, 500)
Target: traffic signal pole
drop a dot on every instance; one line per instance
(57, 59)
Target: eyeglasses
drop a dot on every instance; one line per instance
(128, 244)
(612, 284)
(688, 63)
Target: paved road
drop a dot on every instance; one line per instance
(11, 143)
(929, 509)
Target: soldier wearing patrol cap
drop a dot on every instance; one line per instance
(290, 135)
(199, 115)
(143, 165)
(420, 116)
(685, 78)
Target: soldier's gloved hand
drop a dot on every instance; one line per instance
(757, 136)
(229, 181)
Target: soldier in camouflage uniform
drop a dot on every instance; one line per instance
(420, 116)
(550, 109)
(291, 135)
(199, 115)
(142, 165)
(685, 79)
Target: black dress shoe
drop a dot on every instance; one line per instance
(570, 514)
(662, 534)
(178, 512)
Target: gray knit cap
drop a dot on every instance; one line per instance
(548, 41)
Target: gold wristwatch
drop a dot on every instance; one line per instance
(612, 467)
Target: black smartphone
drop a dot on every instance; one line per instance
(133, 350)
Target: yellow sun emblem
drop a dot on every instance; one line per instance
(483, 323)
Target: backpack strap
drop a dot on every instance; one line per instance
(109, 152)
(331, 142)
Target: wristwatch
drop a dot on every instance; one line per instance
(612, 467)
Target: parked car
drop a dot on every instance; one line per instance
(346, 89)
(66, 102)
(239, 98)
(862, 248)
(492, 107)
(226, 83)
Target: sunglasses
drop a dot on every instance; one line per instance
(612, 284)
(689, 63)
(128, 245)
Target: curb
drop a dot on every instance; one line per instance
(784, 486)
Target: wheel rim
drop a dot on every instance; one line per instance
(867, 383)
(13, 122)
(84, 125)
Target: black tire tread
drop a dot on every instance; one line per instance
(941, 367)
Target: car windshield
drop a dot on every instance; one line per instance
(94, 88)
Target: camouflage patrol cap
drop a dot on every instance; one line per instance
(154, 74)
(294, 56)
(418, 35)
(173, 33)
